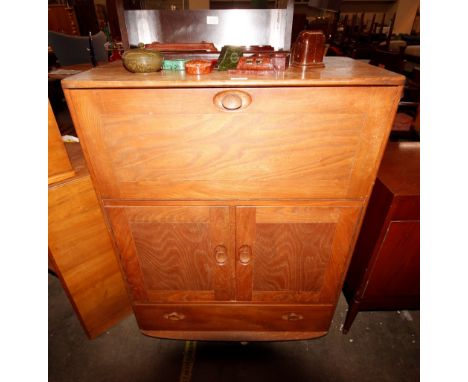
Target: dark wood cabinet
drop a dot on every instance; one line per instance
(62, 19)
(384, 271)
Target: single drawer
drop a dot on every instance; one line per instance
(254, 143)
(239, 317)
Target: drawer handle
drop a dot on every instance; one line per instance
(245, 254)
(232, 100)
(174, 316)
(220, 254)
(292, 316)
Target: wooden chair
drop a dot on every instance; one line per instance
(71, 50)
(389, 60)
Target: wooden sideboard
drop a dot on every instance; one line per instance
(384, 271)
(80, 247)
(234, 203)
(62, 19)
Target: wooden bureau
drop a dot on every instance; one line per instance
(234, 203)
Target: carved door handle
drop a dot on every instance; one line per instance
(220, 254)
(245, 254)
(174, 316)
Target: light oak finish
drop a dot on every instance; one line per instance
(339, 71)
(59, 165)
(327, 153)
(80, 248)
(234, 203)
(238, 317)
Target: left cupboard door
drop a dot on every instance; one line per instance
(175, 253)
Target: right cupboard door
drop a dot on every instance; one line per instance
(293, 254)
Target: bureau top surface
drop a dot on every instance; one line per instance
(399, 169)
(338, 71)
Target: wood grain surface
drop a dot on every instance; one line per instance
(235, 224)
(188, 149)
(169, 252)
(299, 254)
(83, 256)
(340, 71)
(241, 317)
(59, 165)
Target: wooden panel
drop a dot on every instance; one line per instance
(399, 170)
(377, 210)
(170, 252)
(384, 272)
(291, 257)
(299, 253)
(239, 317)
(188, 149)
(345, 236)
(395, 271)
(59, 164)
(82, 255)
(174, 256)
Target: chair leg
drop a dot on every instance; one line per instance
(353, 310)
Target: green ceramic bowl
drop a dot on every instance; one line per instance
(141, 60)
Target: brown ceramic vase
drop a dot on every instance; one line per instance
(308, 50)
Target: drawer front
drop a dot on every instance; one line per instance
(219, 317)
(173, 144)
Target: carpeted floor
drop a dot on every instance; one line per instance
(380, 347)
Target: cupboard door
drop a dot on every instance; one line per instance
(175, 253)
(295, 254)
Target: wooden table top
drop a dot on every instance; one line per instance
(338, 71)
(399, 169)
(81, 67)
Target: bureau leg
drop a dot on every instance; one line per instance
(353, 310)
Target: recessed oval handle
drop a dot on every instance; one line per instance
(245, 254)
(174, 316)
(232, 100)
(292, 316)
(220, 254)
